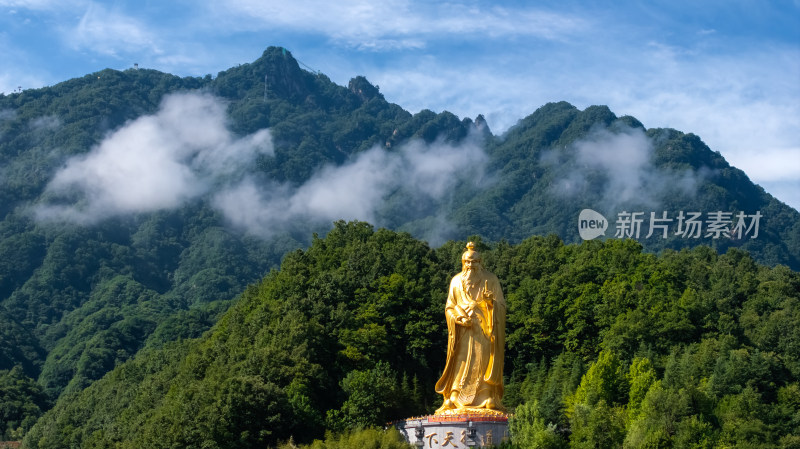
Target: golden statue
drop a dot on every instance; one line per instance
(472, 381)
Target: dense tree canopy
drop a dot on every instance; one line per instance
(607, 346)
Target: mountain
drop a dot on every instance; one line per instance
(136, 205)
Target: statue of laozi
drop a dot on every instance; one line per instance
(472, 380)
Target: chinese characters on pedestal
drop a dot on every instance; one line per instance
(433, 442)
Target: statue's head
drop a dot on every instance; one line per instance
(471, 259)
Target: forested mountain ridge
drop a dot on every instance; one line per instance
(607, 345)
(90, 275)
(57, 275)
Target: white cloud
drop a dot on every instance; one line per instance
(46, 123)
(357, 190)
(154, 162)
(111, 33)
(38, 5)
(400, 23)
(620, 164)
(625, 157)
(185, 151)
(7, 114)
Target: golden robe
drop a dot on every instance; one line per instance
(474, 367)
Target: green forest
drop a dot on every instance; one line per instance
(608, 346)
(115, 326)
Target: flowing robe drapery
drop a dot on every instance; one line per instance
(474, 367)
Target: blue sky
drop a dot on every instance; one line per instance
(728, 71)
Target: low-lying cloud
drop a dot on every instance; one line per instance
(185, 151)
(7, 114)
(154, 162)
(617, 166)
(46, 123)
(358, 190)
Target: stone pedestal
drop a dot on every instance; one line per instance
(455, 430)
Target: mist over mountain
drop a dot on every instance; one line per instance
(137, 205)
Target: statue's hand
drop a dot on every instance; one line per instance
(488, 296)
(464, 320)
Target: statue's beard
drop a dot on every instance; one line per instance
(472, 276)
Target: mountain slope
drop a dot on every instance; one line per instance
(136, 205)
(69, 283)
(561, 160)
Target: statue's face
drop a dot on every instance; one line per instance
(471, 263)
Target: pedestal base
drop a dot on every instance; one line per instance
(455, 430)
